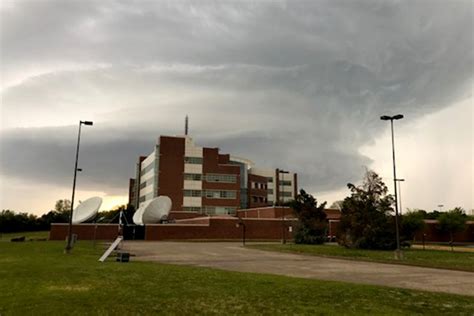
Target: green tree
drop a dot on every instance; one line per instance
(452, 222)
(366, 220)
(411, 223)
(312, 226)
(62, 206)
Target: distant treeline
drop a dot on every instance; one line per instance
(436, 214)
(11, 221)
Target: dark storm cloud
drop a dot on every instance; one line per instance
(298, 85)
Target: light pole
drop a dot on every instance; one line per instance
(391, 119)
(282, 200)
(69, 234)
(400, 194)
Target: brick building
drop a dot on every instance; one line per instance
(202, 181)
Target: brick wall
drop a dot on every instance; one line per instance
(221, 229)
(266, 212)
(84, 231)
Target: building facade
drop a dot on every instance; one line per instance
(203, 181)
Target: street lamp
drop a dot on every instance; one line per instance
(69, 234)
(400, 194)
(241, 223)
(391, 119)
(282, 200)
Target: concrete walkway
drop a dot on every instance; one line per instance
(232, 256)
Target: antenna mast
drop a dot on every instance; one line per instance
(186, 125)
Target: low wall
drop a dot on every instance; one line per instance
(266, 212)
(59, 231)
(184, 215)
(221, 228)
(202, 228)
(433, 234)
(431, 231)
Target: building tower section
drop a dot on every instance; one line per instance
(201, 180)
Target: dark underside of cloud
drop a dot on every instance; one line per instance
(293, 85)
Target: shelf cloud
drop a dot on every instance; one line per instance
(297, 85)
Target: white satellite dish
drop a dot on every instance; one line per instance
(137, 216)
(152, 211)
(86, 210)
(158, 209)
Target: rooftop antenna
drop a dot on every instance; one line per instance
(186, 120)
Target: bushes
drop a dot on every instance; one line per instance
(411, 223)
(312, 226)
(365, 216)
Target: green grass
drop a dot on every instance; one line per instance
(37, 278)
(426, 258)
(28, 235)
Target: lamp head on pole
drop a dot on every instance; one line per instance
(90, 123)
(398, 117)
(391, 118)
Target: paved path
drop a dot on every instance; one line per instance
(232, 256)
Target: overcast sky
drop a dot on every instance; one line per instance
(298, 85)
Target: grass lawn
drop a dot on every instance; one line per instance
(28, 235)
(427, 258)
(37, 278)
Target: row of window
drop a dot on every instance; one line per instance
(259, 199)
(211, 210)
(259, 185)
(226, 178)
(211, 177)
(193, 160)
(212, 194)
(284, 182)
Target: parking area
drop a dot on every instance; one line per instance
(232, 256)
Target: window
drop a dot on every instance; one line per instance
(270, 179)
(193, 176)
(285, 182)
(286, 194)
(192, 193)
(220, 194)
(145, 197)
(147, 168)
(225, 178)
(219, 210)
(192, 209)
(142, 185)
(193, 160)
(270, 191)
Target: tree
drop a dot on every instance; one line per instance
(366, 220)
(312, 226)
(337, 204)
(453, 221)
(62, 206)
(412, 222)
(112, 216)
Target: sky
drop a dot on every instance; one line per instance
(297, 85)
